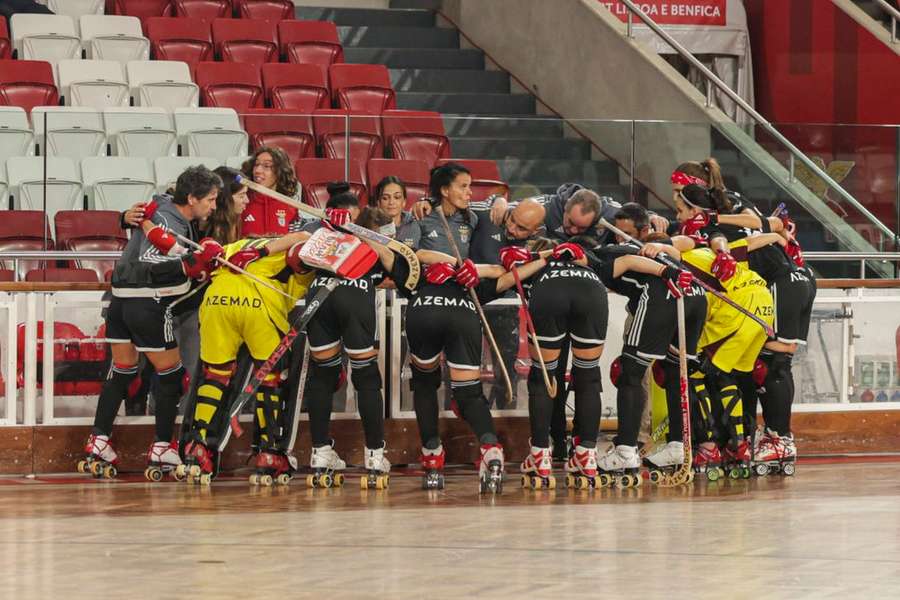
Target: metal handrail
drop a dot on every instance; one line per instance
(58, 254)
(824, 255)
(711, 77)
(895, 16)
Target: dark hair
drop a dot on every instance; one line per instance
(224, 225)
(588, 242)
(285, 179)
(699, 196)
(197, 181)
(372, 217)
(386, 181)
(443, 176)
(710, 172)
(634, 212)
(539, 244)
(340, 196)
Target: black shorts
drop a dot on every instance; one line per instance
(576, 308)
(145, 322)
(654, 329)
(793, 295)
(443, 319)
(347, 316)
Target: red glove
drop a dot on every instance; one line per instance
(677, 280)
(243, 258)
(724, 266)
(292, 258)
(513, 256)
(150, 209)
(337, 217)
(467, 274)
(439, 273)
(199, 264)
(163, 241)
(568, 251)
(692, 226)
(794, 251)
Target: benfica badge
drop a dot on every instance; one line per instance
(281, 215)
(464, 232)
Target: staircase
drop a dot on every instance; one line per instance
(430, 71)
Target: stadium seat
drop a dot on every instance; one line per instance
(287, 130)
(144, 131)
(168, 168)
(315, 174)
(27, 83)
(45, 37)
(24, 230)
(5, 45)
(203, 9)
(72, 131)
(245, 40)
(236, 162)
(413, 134)
(89, 231)
(16, 137)
(63, 184)
(7, 275)
(338, 132)
(232, 85)
(210, 132)
(96, 83)
(114, 37)
(79, 364)
(415, 175)
(485, 177)
(365, 88)
(310, 42)
(117, 182)
(302, 88)
(76, 8)
(163, 83)
(144, 9)
(272, 10)
(63, 275)
(185, 39)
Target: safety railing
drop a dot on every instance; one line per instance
(894, 14)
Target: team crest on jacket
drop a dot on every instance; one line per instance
(281, 215)
(464, 233)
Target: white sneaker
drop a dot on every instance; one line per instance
(375, 460)
(671, 454)
(619, 459)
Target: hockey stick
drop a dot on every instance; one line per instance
(484, 323)
(684, 473)
(284, 345)
(664, 259)
(361, 232)
(551, 387)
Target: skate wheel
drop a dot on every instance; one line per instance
(712, 475)
(745, 472)
(655, 476)
(82, 466)
(337, 480)
(788, 469)
(311, 481)
(551, 483)
(525, 482)
(194, 471)
(266, 480)
(109, 472)
(180, 472)
(205, 479)
(721, 472)
(690, 477)
(325, 480)
(636, 480)
(570, 481)
(604, 480)
(761, 470)
(624, 481)
(363, 483)
(380, 483)
(734, 473)
(583, 483)
(283, 479)
(254, 479)
(153, 474)
(96, 469)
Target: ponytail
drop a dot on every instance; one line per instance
(711, 173)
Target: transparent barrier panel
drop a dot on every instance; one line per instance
(9, 359)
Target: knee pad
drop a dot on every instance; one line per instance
(633, 371)
(212, 388)
(425, 381)
(365, 374)
(323, 375)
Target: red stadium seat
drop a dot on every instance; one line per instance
(313, 42)
(316, 173)
(144, 9)
(245, 40)
(485, 177)
(79, 365)
(287, 130)
(90, 230)
(203, 9)
(414, 134)
(337, 132)
(7, 275)
(413, 173)
(63, 275)
(24, 230)
(365, 88)
(27, 83)
(185, 39)
(296, 87)
(5, 46)
(232, 85)
(272, 10)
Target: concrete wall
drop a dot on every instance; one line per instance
(345, 3)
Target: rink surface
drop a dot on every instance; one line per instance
(831, 531)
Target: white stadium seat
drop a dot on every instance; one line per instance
(168, 168)
(235, 162)
(114, 37)
(26, 184)
(164, 83)
(16, 137)
(96, 83)
(144, 131)
(210, 132)
(45, 37)
(117, 182)
(73, 131)
(76, 8)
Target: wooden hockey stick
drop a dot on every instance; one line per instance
(684, 473)
(548, 383)
(484, 323)
(361, 232)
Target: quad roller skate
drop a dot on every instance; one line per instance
(665, 461)
(581, 468)
(100, 459)
(272, 467)
(736, 461)
(708, 460)
(621, 466)
(326, 466)
(433, 463)
(490, 469)
(199, 464)
(163, 458)
(377, 469)
(774, 454)
(537, 469)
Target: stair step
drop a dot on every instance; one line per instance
(530, 148)
(508, 127)
(590, 173)
(367, 16)
(398, 37)
(412, 58)
(449, 80)
(466, 104)
(429, 4)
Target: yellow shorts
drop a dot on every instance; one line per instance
(229, 320)
(734, 339)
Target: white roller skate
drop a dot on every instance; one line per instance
(163, 458)
(100, 459)
(665, 461)
(774, 454)
(326, 466)
(537, 469)
(581, 468)
(620, 466)
(433, 462)
(377, 469)
(490, 469)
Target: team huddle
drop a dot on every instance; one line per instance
(717, 305)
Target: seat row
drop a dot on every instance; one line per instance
(247, 9)
(123, 38)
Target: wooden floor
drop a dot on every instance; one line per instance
(832, 531)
